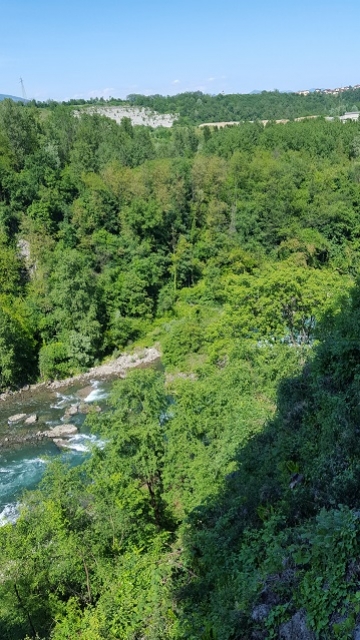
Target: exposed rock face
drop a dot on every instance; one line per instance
(61, 431)
(137, 115)
(296, 479)
(18, 417)
(356, 634)
(296, 628)
(260, 612)
(31, 419)
(24, 249)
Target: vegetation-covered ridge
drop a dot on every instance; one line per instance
(224, 504)
(4, 96)
(197, 107)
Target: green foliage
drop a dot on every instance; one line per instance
(231, 480)
(181, 338)
(16, 346)
(196, 107)
(325, 585)
(21, 128)
(121, 219)
(53, 361)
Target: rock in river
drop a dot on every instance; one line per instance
(61, 431)
(72, 410)
(61, 443)
(31, 419)
(86, 407)
(18, 417)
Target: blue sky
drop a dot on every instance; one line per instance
(75, 48)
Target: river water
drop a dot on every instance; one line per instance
(23, 465)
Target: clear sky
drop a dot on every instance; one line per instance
(73, 48)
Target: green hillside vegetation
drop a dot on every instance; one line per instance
(195, 107)
(226, 499)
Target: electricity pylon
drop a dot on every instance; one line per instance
(23, 89)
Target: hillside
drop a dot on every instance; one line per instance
(223, 502)
(14, 98)
(196, 107)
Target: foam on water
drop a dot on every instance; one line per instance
(97, 394)
(64, 400)
(23, 468)
(83, 442)
(9, 513)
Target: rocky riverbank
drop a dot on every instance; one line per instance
(57, 434)
(26, 428)
(117, 367)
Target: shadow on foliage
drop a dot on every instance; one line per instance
(305, 461)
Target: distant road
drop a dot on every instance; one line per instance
(220, 125)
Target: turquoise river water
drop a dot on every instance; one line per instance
(23, 466)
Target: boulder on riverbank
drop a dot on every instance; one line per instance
(84, 392)
(61, 443)
(18, 417)
(72, 410)
(86, 407)
(61, 431)
(31, 419)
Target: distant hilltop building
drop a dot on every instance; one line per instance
(330, 92)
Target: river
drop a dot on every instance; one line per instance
(22, 465)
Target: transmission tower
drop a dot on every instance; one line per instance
(23, 89)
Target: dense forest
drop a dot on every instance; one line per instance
(196, 107)
(225, 504)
